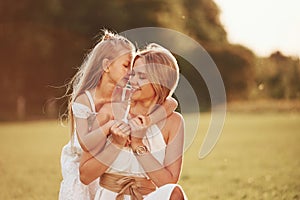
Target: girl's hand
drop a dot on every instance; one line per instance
(138, 129)
(120, 132)
(145, 121)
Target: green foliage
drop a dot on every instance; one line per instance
(203, 21)
(236, 66)
(197, 83)
(278, 77)
(43, 42)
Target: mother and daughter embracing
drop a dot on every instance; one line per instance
(126, 138)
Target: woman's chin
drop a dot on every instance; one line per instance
(133, 98)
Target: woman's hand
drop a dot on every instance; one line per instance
(120, 132)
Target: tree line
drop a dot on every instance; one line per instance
(42, 43)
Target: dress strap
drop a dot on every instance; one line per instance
(91, 100)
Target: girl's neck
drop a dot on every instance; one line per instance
(104, 90)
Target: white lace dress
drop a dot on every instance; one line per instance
(71, 188)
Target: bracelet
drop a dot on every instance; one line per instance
(140, 150)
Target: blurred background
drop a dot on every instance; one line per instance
(42, 43)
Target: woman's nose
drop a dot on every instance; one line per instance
(127, 76)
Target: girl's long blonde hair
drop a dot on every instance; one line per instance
(90, 72)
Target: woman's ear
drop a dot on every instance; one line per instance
(105, 64)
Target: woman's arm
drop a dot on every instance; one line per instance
(93, 166)
(170, 171)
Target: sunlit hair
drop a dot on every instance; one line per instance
(111, 46)
(161, 70)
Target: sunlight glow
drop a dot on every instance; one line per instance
(263, 25)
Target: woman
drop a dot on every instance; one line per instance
(149, 167)
(104, 69)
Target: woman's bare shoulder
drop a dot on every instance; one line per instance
(175, 117)
(173, 125)
(173, 120)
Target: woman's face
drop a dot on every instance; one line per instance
(143, 89)
(119, 68)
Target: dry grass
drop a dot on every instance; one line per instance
(263, 105)
(257, 157)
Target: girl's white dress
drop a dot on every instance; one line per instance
(71, 188)
(125, 164)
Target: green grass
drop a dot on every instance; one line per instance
(257, 157)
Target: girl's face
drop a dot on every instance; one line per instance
(119, 68)
(143, 89)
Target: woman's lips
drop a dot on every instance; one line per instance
(135, 87)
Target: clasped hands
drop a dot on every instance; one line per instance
(131, 133)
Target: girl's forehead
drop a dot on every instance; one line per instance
(124, 57)
(123, 51)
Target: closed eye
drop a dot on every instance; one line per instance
(132, 73)
(126, 64)
(142, 76)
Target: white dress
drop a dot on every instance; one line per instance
(127, 164)
(71, 188)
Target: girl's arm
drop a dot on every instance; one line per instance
(95, 139)
(163, 111)
(159, 114)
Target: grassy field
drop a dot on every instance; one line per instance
(257, 157)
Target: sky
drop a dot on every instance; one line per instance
(264, 26)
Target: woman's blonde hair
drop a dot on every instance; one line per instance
(111, 46)
(162, 70)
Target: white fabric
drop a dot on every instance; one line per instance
(162, 193)
(127, 164)
(81, 110)
(71, 188)
(91, 100)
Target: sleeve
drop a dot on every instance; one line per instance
(81, 110)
